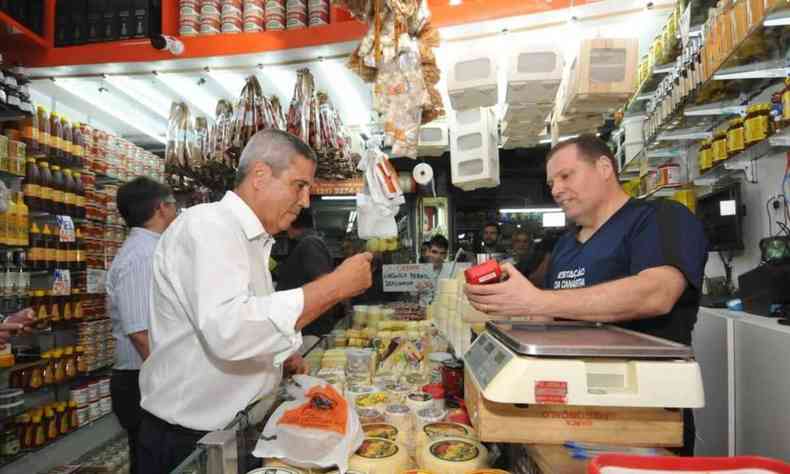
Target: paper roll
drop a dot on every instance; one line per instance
(423, 174)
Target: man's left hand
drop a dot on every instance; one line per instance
(296, 365)
(516, 296)
(25, 318)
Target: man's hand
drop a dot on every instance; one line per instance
(296, 365)
(515, 296)
(21, 321)
(355, 274)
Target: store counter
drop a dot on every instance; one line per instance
(552, 459)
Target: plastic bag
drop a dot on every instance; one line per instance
(381, 198)
(179, 149)
(287, 441)
(303, 118)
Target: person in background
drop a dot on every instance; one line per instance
(490, 242)
(350, 247)
(637, 264)
(220, 336)
(530, 258)
(437, 254)
(309, 260)
(148, 208)
(425, 248)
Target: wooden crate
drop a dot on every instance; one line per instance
(740, 21)
(556, 424)
(552, 459)
(603, 76)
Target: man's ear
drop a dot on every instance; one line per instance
(604, 166)
(261, 174)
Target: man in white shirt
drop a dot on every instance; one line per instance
(219, 333)
(148, 208)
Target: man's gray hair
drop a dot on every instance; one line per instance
(275, 148)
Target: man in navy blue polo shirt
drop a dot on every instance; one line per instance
(633, 263)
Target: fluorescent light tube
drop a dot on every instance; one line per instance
(530, 210)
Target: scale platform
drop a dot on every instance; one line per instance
(576, 363)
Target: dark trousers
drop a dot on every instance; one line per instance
(125, 392)
(162, 446)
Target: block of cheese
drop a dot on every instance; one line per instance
(453, 456)
(379, 456)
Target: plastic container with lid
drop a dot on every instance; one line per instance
(719, 145)
(437, 392)
(735, 136)
(757, 125)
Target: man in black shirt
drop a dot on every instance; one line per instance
(633, 263)
(308, 261)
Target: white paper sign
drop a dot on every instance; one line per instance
(408, 277)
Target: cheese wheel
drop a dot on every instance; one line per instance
(276, 466)
(453, 456)
(370, 415)
(490, 471)
(381, 430)
(441, 430)
(379, 456)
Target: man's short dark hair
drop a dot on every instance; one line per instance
(518, 232)
(440, 241)
(590, 147)
(138, 199)
(304, 220)
(491, 224)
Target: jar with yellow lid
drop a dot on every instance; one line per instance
(719, 145)
(735, 135)
(82, 363)
(63, 420)
(47, 370)
(60, 366)
(69, 362)
(51, 423)
(39, 431)
(757, 124)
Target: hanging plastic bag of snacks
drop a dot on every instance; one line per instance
(303, 118)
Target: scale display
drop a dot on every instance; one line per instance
(486, 358)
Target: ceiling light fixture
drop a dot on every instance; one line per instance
(113, 107)
(198, 97)
(140, 91)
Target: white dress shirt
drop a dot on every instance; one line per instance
(129, 292)
(219, 332)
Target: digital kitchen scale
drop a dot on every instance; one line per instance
(576, 363)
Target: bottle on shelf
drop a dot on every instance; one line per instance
(31, 185)
(60, 365)
(78, 146)
(22, 221)
(54, 307)
(76, 299)
(22, 425)
(67, 142)
(50, 247)
(35, 256)
(69, 198)
(11, 221)
(9, 282)
(82, 363)
(70, 362)
(39, 305)
(64, 421)
(29, 127)
(43, 131)
(57, 191)
(56, 147)
(51, 424)
(74, 421)
(45, 187)
(47, 371)
(39, 431)
(79, 191)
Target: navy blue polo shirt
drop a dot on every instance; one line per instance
(640, 235)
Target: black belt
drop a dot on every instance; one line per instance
(162, 425)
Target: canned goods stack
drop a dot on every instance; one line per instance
(253, 16)
(210, 17)
(189, 17)
(297, 14)
(231, 16)
(319, 12)
(275, 15)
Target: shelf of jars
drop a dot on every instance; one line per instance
(732, 38)
(721, 157)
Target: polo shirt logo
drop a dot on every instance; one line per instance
(570, 279)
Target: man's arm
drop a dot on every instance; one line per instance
(140, 343)
(211, 276)
(652, 292)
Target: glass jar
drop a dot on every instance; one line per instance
(60, 366)
(757, 124)
(22, 422)
(64, 421)
(51, 424)
(36, 380)
(39, 431)
(53, 302)
(719, 146)
(48, 369)
(82, 360)
(735, 137)
(70, 362)
(39, 305)
(74, 421)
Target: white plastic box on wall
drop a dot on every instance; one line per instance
(633, 128)
(474, 151)
(527, 113)
(472, 81)
(434, 139)
(534, 75)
